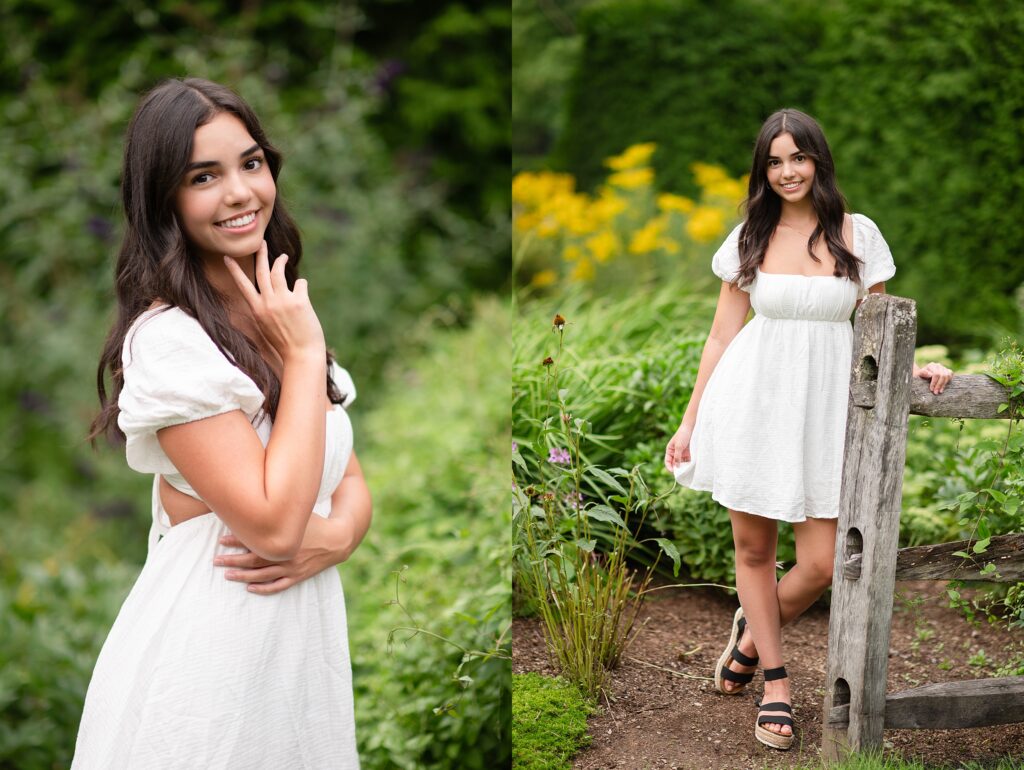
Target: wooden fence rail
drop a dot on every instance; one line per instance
(882, 396)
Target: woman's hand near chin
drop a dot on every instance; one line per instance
(326, 543)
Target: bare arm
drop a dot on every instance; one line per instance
(730, 315)
(265, 496)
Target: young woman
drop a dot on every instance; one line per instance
(765, 427)
(224, 390)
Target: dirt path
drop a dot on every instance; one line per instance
(660, 720)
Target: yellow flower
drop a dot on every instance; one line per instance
(673, 202)
(602, 246)
(645, 240)
(571, 253)
(707, 174)
(705, 224)
(633, 178)
(669, 245)
(544, 278)
(607, 206)
(584, 271)
(532, 188)
(635, 156)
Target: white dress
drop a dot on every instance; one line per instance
(198, 672)
(771, 423)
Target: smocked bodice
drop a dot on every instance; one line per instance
(802, 297)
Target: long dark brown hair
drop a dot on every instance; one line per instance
(157, 261)
(764, 207)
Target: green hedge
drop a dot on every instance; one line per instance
(922, 101)
(696, 77)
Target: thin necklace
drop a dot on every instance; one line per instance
(787, 224)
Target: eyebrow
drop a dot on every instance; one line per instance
(209, 163)
(798, 152)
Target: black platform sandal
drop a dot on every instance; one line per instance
(732, 650)
(763, 734)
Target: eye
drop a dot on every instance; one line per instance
(254, 163)
(773, 162)
(801, 158)
(200, 178)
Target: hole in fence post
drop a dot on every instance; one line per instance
(854, 547)
(868, 370)
(840, 693)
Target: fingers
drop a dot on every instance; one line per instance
(261, 575)
(938, 375)
(273, 587)
(263, 269)
(240, 278)
(247, 560)
(277, 279)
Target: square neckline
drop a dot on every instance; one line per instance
(853, 233)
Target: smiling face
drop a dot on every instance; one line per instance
(790, 171)
(226, 197)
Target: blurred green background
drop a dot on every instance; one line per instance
(393, 119)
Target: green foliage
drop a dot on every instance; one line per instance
(697, 78)
(921, 102)
(549, 722)
(446, 74)
(56, 615)
(433, 456)
(545, 46)
(633, 364)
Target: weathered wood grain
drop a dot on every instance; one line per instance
(937, 562)
(949, 705)
(976, 396)
(870, 502)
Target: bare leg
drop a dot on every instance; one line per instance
(801, 586)
(756, 538)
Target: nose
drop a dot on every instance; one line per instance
(236, 190)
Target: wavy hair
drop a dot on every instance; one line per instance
(156, 260)
(763, 206)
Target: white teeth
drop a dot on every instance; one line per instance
(791, 186)
(240, 222)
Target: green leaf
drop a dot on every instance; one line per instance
(999, 496)
(670, 550)
(962, 554)
(982, 545)
(607, 479)
(586, 545)
(605, 513)
(518, 460)
(983, 528)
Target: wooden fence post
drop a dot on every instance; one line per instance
(869, 515)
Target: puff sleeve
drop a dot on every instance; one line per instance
(878, 262)
(726, 262)
(344, 382)
(173, 374)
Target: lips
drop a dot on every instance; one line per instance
(238, 221)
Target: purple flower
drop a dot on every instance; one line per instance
(572, 501)
(515, 447)
(559, 456)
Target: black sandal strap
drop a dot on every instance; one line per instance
(778, 706)
(735, 676)
(763, 720)
(771, 674)
(742, 659)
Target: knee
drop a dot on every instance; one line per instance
(818, 573)
(754, 555)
